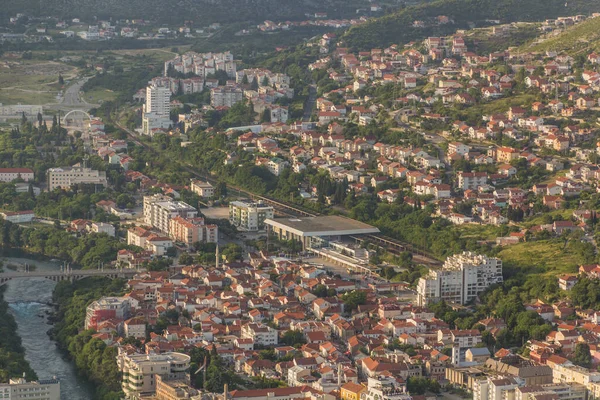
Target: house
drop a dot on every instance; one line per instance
(566, 282)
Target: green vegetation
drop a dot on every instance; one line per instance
(574, 40)
(89, 251)
(93, 359)
(12, 354)
(549, 256)
(398, 26)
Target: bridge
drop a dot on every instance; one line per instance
(68, 274)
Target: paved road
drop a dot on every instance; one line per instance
(71, 98)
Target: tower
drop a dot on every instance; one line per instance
(217, 257)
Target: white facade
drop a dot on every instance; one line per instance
(384, 388)
(460, 280)
(139, 371)
(20, 389)
(225, 96)
(262, 335)
(158, 211)
(102, 227)
(18, 217)
(65, 177)
(10, 174)
(249, 216)
(156, 109)
(202, 189)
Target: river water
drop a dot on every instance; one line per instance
(28, 300)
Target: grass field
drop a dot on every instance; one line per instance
(99, 95)
(583, 37)
(31, 81)
(547, 256)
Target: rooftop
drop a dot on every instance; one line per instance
(322, 226)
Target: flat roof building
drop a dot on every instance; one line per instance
(304, 229)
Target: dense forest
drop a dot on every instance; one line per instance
(93, 358)
(12, 354)
(88, 251)
(398, 27)
(198, 11)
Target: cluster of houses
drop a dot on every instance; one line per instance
(322, 345)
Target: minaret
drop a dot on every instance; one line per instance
(217, 257)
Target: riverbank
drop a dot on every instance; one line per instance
(29, 302)
(94, 360)
(12, 354)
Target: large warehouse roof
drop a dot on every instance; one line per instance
(322, 226)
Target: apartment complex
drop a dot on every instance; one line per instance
(461, 279)
(225, 96)
(10, 174)
(160, 209)
(202, 189)
(249, 216)
(192, 230)
(140, 371)
(20, 389)
(263, 335)
(65, 177)
(156, 109)
(107, 308)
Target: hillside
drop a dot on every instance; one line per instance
(398, 27)
(198, 11)
(581, 38)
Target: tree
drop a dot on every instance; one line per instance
(220, 190)
(61, 80)
(265, 81)
(582, 356)
(254, 84)
(245, 80)
(292, 338)
(353, 299)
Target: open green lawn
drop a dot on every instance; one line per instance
(580, 38)
(99, 95)
(539, 219)
(503, 104)
(548, 256)
(480, 232)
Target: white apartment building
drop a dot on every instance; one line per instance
(20, 389)
(159, 209)
(249, 216)
(276, 165)
(140, 371)
(225, 96)
(471, 180)
(262, 335)
(494, 389)
(384, 388)
(202, 189)
(65, 177)
(158, 100)
(102, 227)
(156, 109)
(10, 174)
(461, 279)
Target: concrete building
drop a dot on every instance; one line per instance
(18, 217)
(262, 335)
(20, 389)
(107, 308)
(495, 389)
(192, 230)
(385, 388)
(65, 177)
(202, 189)
(225, 96)
(157, 109)
(10, 174)
(249, 216)
(461, 279)
(175, 390)
(159, 210)
(102, 227)
(312, 231)
(140, 371)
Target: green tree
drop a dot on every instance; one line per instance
(582, 356)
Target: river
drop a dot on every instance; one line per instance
(28, 300)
